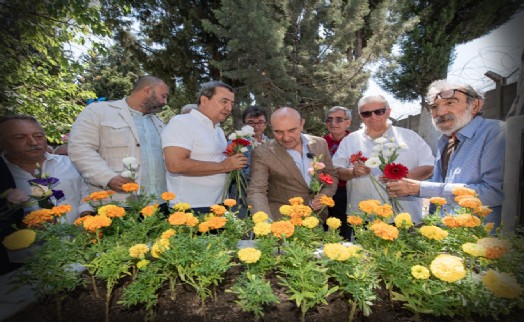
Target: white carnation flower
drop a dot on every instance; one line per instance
(372, 162)
(377, 147)
(390, 145)
(128, 161)
(232, 136)
(126, 174)
(387, 152)
(381, 140)
(403, 145)
(248, 130)
(243, 149)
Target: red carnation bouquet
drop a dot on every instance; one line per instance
(385, 152)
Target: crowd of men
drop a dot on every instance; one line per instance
(186, 156)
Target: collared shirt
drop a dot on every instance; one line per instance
(70, 182)
(207, 142)
(477, 163)
(152, 168)
(418, 153)
(303, 162)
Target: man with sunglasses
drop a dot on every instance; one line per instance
(374, 112)
(470, 150)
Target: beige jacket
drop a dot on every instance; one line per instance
(275, 177)
(103, 134)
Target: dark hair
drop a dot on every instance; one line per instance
(146, 81)
(24, 117)
(253, 111)
(208, 89)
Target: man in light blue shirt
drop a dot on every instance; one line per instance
(470, 151)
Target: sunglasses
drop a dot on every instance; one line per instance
(335, 119)
(378, 112)
(450, 93)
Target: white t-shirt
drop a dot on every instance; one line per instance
(195, 132)
(418, 153)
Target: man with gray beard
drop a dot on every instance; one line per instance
(470, 150)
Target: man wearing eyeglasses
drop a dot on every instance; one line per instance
(374, 112)
(256, 117)
(338, 120)
(470, 150)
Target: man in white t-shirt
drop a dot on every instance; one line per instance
(194, 146)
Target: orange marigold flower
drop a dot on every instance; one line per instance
(368, 206)
(354, 220)
(217, 222)
(130, 187)
(61, 209)
(471, 202)
(177, 218)
(384, 231)
(296, 220)
(37, 217)
(204, 227)
(99, 195)
(299, 211)
(495, 247)
(218, 210)
(149, 211)
(327, 201)
(384, 211)
(167, 196)
(450, 221)
(438, 201)
(80, 220)
(467, 220)
(482, 211)
(191, 221)
(459, 191)
(112, 211)
(460, 197)
(280, 228)
(296, 201)
(230, 202)
(168, 234)
(93, 223)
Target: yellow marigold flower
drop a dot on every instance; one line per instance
(80, 220)
(285, 210)
(368, 206)
(177, 218)
(112, 211)
(218, 210)
(474, 249)
(336, 251)
(433, 232)
(168, 234)
(384, 211)
(20, 239)
(503, 285)
(403, 220)
(217, 222)
(138, 251)
(259, 216)
(438, 201)
(470, 202)
(280, 228)
(296, 201)
(449, 221)
(142, 263)
(262, 229)
(93, 223)
(130, 187)
(230, 202)
(448, 268)
(159, 247)
(467, 220)
(296, 220)
(249, 255)
(489, 227)
(355, 250)
(420, 272)
(204, 227)
(61, 209)
(327, 201)
(459, 191)
(149, 211)
(495, 247)
(191, 221)
(355, 220)
(383, 230)
(167, 196)
(37, 217)
(182, 206)
(310, 222)
(333, 223)
(482, 211)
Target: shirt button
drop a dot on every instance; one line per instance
(138, 145)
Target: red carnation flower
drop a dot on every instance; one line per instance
(395, 171)
(357, 157)
(325, 178)
(230, 149)
(242, 142)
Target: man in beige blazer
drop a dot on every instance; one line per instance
(106, 132)
(279, 169)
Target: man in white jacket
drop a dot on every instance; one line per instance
(106, 132)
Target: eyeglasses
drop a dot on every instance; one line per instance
(335, 119)
(259, 123)
(378, 112)
(448, 94)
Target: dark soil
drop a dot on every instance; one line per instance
(82, 305)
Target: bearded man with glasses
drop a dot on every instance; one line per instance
(470, 150)
(374, 112)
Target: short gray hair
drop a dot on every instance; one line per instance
(372, 99)
(334, 109)
(441, 85)
(208, 89)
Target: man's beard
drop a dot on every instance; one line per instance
(459, 121)
(151, 104)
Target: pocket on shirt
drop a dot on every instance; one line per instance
(116, 134)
